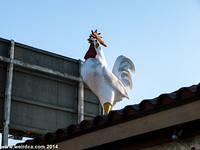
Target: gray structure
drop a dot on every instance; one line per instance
(41, 91)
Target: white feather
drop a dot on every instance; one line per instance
(123, 70)
(108, 86)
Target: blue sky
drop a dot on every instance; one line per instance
(162, 37)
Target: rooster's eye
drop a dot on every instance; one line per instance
(97, 45)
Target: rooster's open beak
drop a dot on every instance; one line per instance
(102, 43)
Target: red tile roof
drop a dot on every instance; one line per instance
(130, 112)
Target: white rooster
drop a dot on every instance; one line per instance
(109, 87)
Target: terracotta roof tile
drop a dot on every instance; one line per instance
(72, 129)
(147, 105)
(61, 132)
(164, 101)
(185, 93)
(99, 121)
(114, 116)
(85, 124)
(130, 110)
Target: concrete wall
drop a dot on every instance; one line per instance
(45, 90)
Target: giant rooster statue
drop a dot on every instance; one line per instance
(109, 87)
